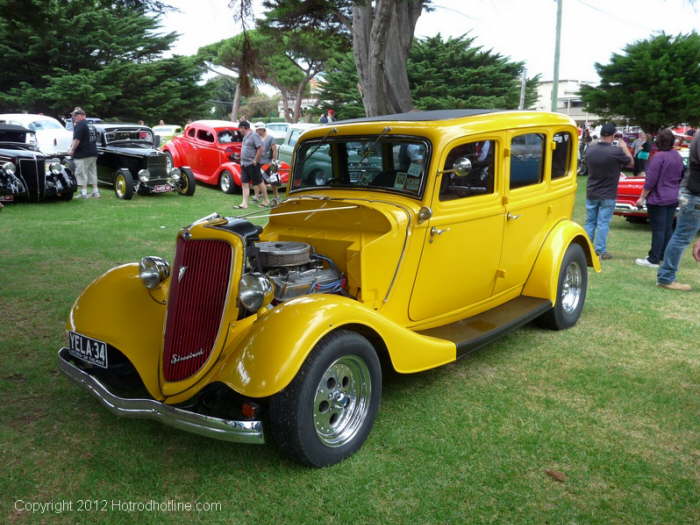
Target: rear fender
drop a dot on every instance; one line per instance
(269, 356)
(118, 309)
(544, 277)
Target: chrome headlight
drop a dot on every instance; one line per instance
(174, 175)
(153, 271)
(9, 168)
(255, 291)
(144, 175)
(53, 166)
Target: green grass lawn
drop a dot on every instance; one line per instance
(613, 404)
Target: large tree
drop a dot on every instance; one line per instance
(442, 74)
(104, 55)
(654, 83)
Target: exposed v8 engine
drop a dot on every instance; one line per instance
(296, 270)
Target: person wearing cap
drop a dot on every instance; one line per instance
(83, 149)
(604, 160)
(687, 224)
(328, 117)
(251, 152)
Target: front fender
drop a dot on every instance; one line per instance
(118, 309)
(235, 170)
(544, 277)
(273, 351)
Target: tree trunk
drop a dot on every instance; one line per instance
(236, 106)
(382, 36)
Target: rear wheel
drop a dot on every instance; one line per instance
(124, 185)
(226, 183)
(327, 411)
(571, 291)
(187, 183)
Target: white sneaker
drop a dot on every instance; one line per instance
(645, 262)
(95, 195)
(83, 195)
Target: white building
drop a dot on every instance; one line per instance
(568, 101)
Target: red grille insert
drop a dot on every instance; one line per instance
(195, 306)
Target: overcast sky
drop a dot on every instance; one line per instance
(521, 29)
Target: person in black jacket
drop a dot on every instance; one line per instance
(83, 149)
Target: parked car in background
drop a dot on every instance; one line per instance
(129, 162)
(51, 137)
(420, 244)
(26, 173)
(167, 132)
(69, 121)
(278, 130)
(212, 149)
(294, 131)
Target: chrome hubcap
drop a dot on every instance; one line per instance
(121, 186)
(571, 288)
(168, 164)
(341, 401)
(225, 182)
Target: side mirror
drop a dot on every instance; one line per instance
(461, 167)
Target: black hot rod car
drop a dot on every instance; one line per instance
(129, 161)
(27, 174)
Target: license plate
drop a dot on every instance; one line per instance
(89, 350)
(7, 198)
(162, 188)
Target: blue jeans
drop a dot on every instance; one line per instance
(599, 213)
(687, 226)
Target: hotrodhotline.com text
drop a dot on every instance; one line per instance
(114, 505)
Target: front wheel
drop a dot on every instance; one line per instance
(124, 185)
(187, 183)
(226, 183)
(571, 291)
(327, 411)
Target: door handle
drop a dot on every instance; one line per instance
(512, 217)
(437, 231)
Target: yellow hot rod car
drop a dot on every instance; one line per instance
(407, 241)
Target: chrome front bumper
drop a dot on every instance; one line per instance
(213, 427)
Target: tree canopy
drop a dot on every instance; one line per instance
(442, 74)
(654, 83)
(102, 55)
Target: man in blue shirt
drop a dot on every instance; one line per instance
(84, 152)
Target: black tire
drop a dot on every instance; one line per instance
(187, 183)
(571, 291)
(124, 185)
(65, 195)
(226, 183)
(326, 413)
(169, 164)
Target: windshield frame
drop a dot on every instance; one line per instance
(110, 141)
(369, 139)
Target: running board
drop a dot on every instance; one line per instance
(474, 332)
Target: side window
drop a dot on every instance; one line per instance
(475, 162)
(190, 132)
(526, 160)
(205, 136)
(561, 155)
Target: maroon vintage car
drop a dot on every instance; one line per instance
(212, 149)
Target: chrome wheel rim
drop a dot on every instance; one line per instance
(572, 287)
(168, 163)
(342, 401)
(120, 186)
(225, 182)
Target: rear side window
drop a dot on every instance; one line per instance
(526, 160)
(205, 136)
(190, 132)
(561, 155)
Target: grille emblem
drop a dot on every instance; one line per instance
(181, 273)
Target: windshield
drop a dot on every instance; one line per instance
(128, 135)
(43, 124)
(375, 162)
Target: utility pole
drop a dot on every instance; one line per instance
(523, 85)
(557, 39)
